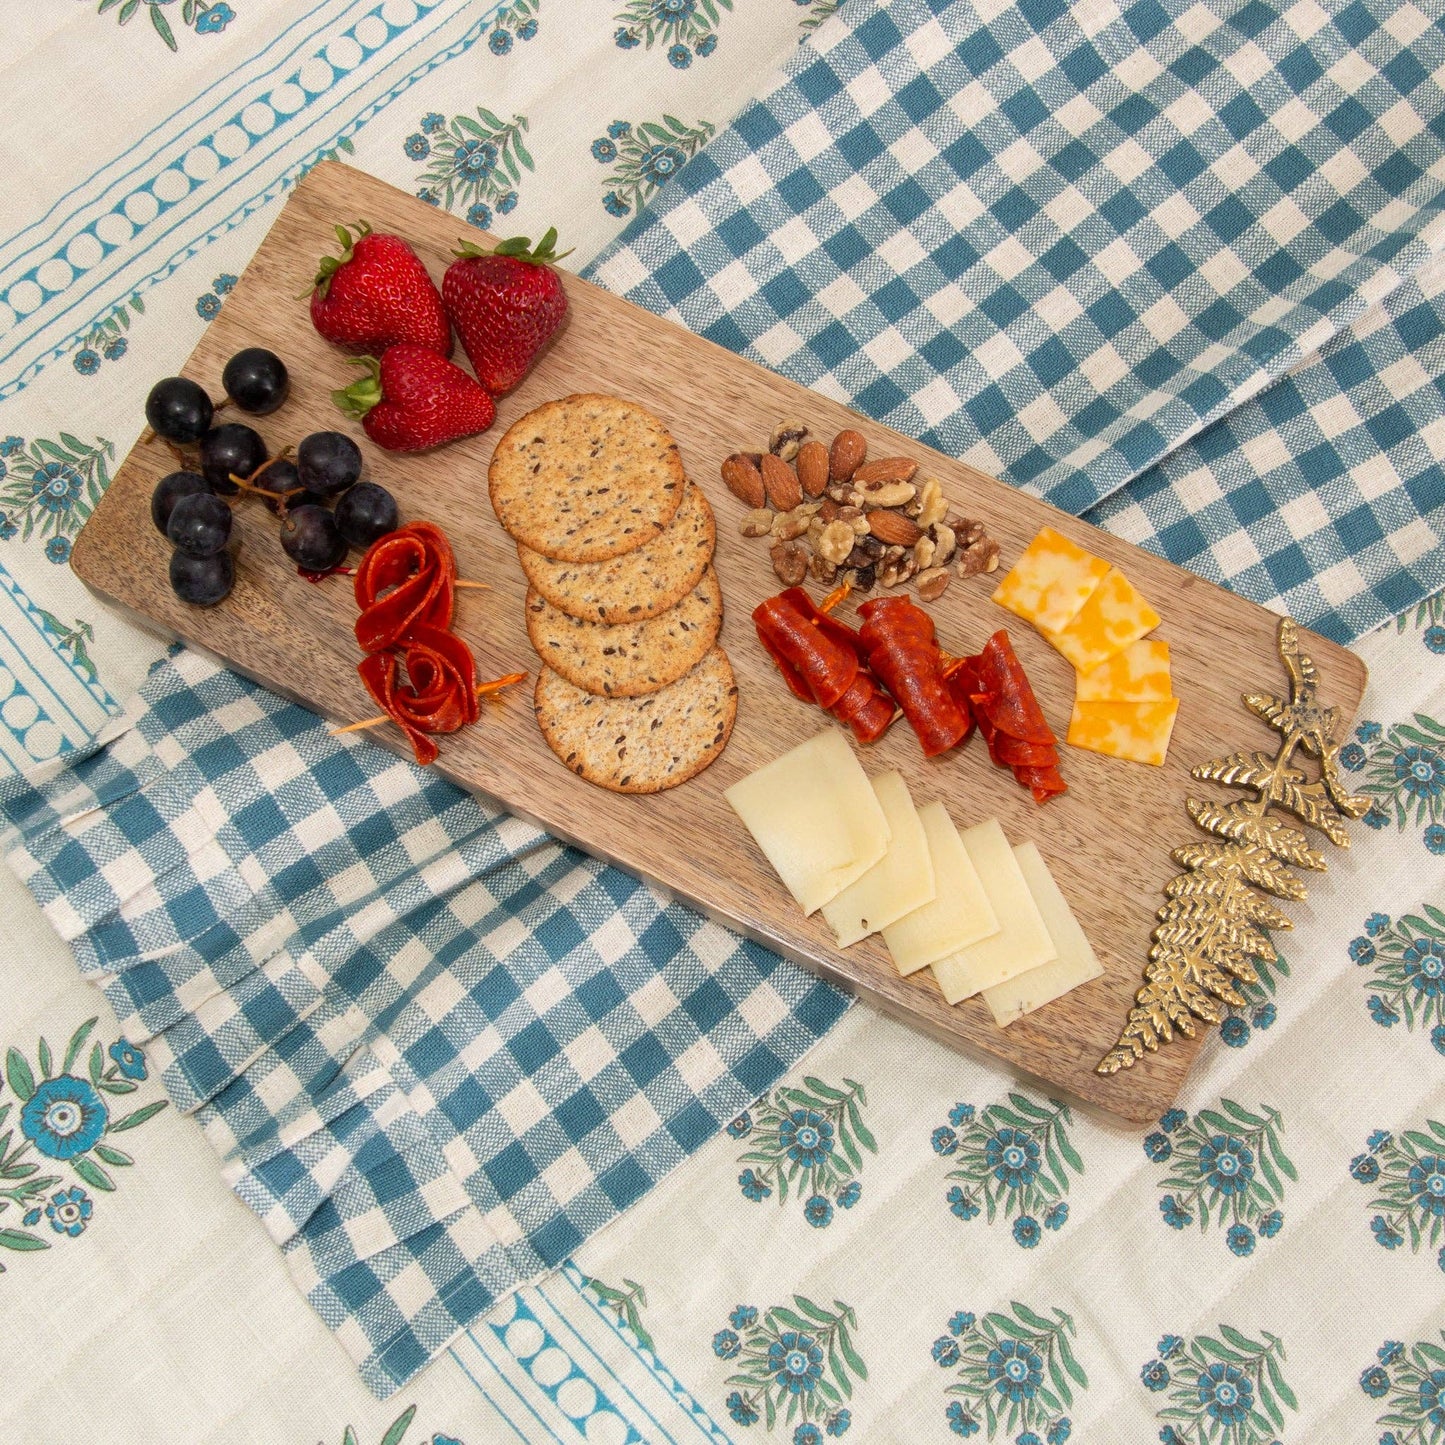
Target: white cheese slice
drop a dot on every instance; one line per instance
(899, 882)
(959, 912)
(1075, 963)
(815, 815)
(1022, 941)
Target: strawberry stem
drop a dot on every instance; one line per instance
(328, 266)
(363, 393)
(544, 253)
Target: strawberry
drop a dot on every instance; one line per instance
(505, 304)
(376, 293)
(413, 399)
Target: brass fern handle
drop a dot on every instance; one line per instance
(1216, 920)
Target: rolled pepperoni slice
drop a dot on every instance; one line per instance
(1029, 755)
(865, 707)
(790, 629)
(1012, 706)
(791, 675)
(406, 580)
(379, 671)
(1044, 783)
(902, 651)
(440, 691)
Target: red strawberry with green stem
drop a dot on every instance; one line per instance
(377, 293)
(413, 399)
(506, 304)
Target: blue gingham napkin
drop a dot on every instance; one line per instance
(1171, 266)
(436, 1049)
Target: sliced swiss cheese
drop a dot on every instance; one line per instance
(1022, 941)
(1074, 963)
(1139, 732)
(1140, 673)
(960, 911)
(815, 815)
(901, 880)
(1052, 579)
(1114, 616)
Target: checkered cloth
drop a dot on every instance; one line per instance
(1170, 266)
(436, 1049)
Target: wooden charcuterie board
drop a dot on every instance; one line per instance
(1106, 841)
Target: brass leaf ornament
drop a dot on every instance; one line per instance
(1217, 918)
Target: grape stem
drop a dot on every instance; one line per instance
(248, 484)
(484, 689)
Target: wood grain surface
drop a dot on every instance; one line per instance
(1106, 841)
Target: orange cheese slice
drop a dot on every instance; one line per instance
(1138, 674)
(1051, 581)
(1135, 731)
(1114, 616)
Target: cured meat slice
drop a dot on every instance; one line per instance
(902, 651)
(406, 580)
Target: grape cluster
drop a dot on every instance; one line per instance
(323, 506)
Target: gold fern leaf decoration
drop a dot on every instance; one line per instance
(1217, 918)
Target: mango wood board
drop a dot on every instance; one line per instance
(1107, 840)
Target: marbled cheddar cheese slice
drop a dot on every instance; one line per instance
(1136, 731)
(1114, 616)
(1138, 674)
(1051, 581)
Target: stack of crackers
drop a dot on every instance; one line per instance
(623, 604)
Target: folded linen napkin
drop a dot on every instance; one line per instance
(1065, 242)
(436, 1049)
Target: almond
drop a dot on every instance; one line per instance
(893, 528)
(781, 483)
(744, 480)
(885, 469)
(846, 455)
(812, 465)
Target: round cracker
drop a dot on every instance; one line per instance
(637, 585)
(630, 658)
(586, 478)
(640, 744)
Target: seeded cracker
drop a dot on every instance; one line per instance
(636, 585)
(630, 658)
(643, 744)
(586, 478)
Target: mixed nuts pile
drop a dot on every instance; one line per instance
(836, 516)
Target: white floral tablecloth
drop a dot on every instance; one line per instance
(950, 1253)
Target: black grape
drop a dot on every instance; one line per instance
(256, 380)
(199, 525)
(202, 581)
(365, 513)
(231, 447)
(281, 476)
(178, 409)
(169, 490)
(329, 462)
(310, 538)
